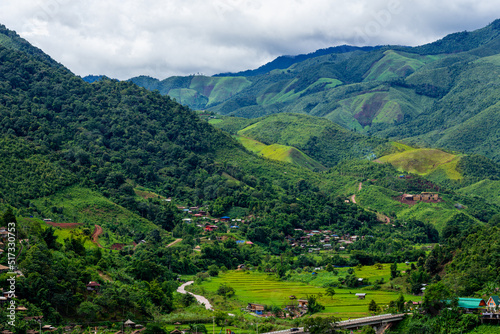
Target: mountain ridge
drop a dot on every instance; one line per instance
(395, 92)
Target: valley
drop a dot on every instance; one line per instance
(332, 186)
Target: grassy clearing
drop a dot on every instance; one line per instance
(145, 193)
(396, 64)
(254, 287)
(382, 200)
(215, 121)
(425, 161)
(218, 89)
(67, 234)
(280, 153)
(488, 189)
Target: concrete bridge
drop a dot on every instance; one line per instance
(378, 322)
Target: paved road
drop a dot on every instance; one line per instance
(200, 299)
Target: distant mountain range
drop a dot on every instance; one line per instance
(443, 94)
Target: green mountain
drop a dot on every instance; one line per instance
(442, 95)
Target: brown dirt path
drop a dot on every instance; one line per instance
(96, 234)
(174, 242)
(353, 197)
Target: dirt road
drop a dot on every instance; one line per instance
(174, 242)
(353, 197)
(96, 234)
(200, 299)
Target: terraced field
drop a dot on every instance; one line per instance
(261, 288)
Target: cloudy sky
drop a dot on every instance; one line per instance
(161, 38)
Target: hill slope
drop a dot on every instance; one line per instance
(319, 138)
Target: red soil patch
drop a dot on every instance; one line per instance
(411, 203)
(370, 109)
(64, 225)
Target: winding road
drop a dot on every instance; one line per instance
(200, 299)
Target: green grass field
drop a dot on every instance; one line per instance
(280, 153)
(488, 189)
(425, 161)
(261, 288)
(67, 234)
(382, 200)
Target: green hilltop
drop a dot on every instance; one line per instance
(319, 138)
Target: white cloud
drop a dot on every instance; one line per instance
(160, 38)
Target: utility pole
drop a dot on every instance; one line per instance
(213, 325)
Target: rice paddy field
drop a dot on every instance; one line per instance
(262, 288)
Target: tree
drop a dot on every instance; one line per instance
(313, 306)
(9, 217)
(220, 317)
(394, 270)
(154, 328)
(213, 270)
(88, 310)
(368, 330)
(330, 291)
(318, 325)
(187, 299)
(436, 297)
(373, 307)
(197, 328)
(400, 303)
(49, 237)
(225, 291)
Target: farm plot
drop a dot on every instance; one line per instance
(261, 288)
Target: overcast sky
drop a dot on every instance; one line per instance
(161, 38)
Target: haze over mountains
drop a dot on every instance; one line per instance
(443, 94)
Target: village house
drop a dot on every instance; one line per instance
(361, 295)
(93, 286)
(210, 228)
(303, 303)
(471, 304)
(493, 303)
(129, 323)
(424, 196)
(4, 235)
(256, 308)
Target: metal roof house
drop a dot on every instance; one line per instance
(471, 304)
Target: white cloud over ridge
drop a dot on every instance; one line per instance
(125, 38)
